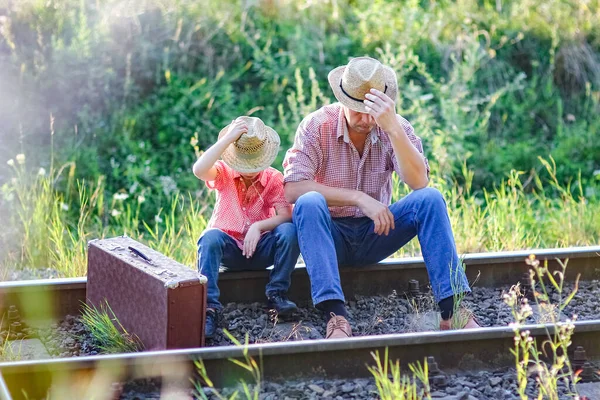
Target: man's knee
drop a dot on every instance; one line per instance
(430, 196)
(212, 238)
(310, 202)
(286, 232)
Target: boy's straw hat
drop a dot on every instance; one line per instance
(351, 82)
(255, 150)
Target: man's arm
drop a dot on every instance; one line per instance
(334, 196)
(410, 161)
(372, 208)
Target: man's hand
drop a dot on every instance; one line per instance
(235, 130)
(383, 109)
(251, 240)
(379, 213)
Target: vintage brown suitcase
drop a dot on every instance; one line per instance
(160, 300)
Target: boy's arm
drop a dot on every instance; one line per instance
(204, 167)
(284, 214)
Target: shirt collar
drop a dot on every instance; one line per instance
(262, 177)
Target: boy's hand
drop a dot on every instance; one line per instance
(235, 130)
(251, 240)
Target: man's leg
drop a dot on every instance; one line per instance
(423, 213)
(320, 244)
(323, 247)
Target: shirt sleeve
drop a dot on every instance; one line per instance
(304, 159)
(276, 196)
(222, 172)
(416, 142)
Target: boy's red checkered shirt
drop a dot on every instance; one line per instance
(238, 207)
(323, 153)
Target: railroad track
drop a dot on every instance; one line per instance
(484, 348)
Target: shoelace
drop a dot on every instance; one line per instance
(339, 323)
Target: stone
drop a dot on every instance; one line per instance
(316, 388)
(425, 321)
(495, 381)
(28, 349)
(348, 387)
(589, 390)
(296, 331)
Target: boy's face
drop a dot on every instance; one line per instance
(250, 176)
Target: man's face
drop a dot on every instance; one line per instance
(359, 122)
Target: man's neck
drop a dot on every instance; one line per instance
(358, 139)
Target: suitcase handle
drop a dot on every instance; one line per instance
(139, 253)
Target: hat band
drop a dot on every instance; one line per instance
(354, 98)
(250, 149)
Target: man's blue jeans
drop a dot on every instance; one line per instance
(327, 242)
(278, 247)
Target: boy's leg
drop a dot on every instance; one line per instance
(422, 213)
(279, 248)
(215, 247)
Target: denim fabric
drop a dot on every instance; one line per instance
(278, 247)
(326, 242)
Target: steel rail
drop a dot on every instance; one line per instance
(323, 359)
(61, 297)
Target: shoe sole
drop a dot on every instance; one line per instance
(286, 312)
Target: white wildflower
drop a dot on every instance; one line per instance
(11, 162)
(64, 207)
(158, 219)
(120, 196)
(131, 158)
(141, 198)
(20, 158)
(42, 171)
(115, 213)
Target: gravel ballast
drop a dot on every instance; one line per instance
(481, 385)
(369, 315)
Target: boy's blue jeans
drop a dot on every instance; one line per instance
(327, 242)
(278, 247)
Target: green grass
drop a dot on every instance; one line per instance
(106, 330)
(51, 229)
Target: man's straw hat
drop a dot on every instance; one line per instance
(351, 82)
(255, 150)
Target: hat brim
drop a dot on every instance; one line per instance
(335, 77)
(248, 164)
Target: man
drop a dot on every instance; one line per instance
(339, 175)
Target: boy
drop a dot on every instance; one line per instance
(250, 227)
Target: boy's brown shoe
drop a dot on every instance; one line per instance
(338, 327)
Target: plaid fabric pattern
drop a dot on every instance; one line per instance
(322, 152)
(237, 207)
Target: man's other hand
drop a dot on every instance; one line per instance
(379, 213)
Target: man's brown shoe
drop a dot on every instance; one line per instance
(464, 319)
(338, 327)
